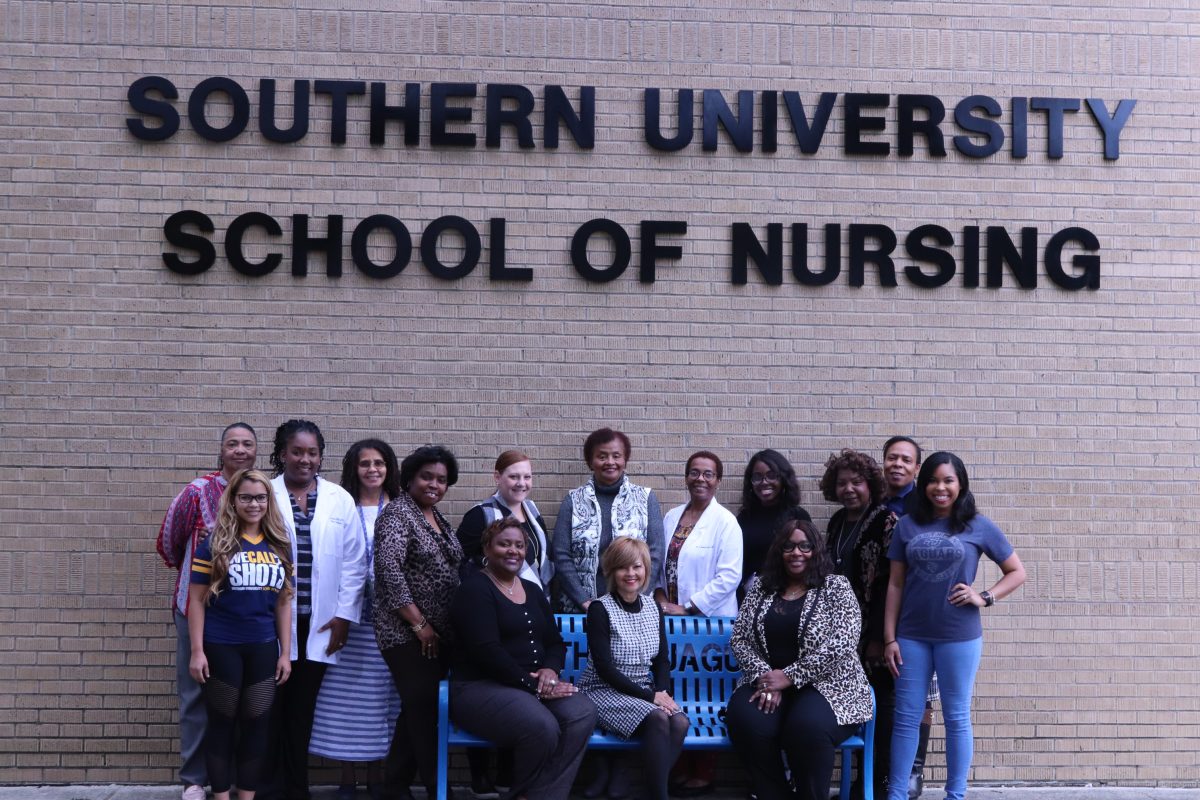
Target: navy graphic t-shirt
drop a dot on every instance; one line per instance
(936, 560)
(244, 611)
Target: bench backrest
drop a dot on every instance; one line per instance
(704, 672)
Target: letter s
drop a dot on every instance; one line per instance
(144, 104)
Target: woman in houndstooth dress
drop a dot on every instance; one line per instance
(628, 673)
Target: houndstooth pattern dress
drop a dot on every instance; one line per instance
(634, 644)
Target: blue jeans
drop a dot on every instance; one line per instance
(955, 664)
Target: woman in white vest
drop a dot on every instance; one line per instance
(330, 569)
(607, 507)
(701, 573)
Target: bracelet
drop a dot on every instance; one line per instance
(420, 626)
(893, 641)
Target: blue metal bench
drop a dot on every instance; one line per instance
(704, 675)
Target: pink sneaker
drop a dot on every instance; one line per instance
(194, 793)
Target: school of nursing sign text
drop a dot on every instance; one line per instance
(979, 127)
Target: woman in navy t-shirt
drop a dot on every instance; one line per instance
(931, 622)
(239, 622)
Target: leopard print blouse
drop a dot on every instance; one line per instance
(828, 652)
(413, 564)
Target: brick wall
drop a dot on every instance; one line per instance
(1076, 411)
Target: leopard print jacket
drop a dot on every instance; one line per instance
(413, 564)
(828, 652)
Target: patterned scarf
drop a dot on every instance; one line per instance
(629, 518)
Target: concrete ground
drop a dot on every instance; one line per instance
(112, 792)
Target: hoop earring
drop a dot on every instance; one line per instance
(483, 561)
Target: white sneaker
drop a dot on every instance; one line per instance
(194, 793)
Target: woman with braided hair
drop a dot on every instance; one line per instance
(331, 567)
(239, 623)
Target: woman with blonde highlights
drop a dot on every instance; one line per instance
(628, 675)
(239, 622)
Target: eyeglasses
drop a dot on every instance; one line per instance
(252, 499)
(763, 477)
(803, 547)
(707, 474)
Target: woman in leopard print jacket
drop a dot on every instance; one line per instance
(803, 689)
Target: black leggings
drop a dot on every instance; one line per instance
(238, 694)
(803, 726)
(662, 742)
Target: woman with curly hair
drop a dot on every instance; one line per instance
(770, 497)
(239, 623)
(417, 558)
(802, 689)
(857, 540)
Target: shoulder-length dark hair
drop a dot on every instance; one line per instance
(350, 479)
(773, 574)
(963, 510)
(789, 487)
(857, 462)
(428, 454)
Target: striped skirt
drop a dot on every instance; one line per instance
(357, 705)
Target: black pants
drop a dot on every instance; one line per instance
(803, 726)
(885, 711)
(547, 738)
(238, 696)
(294, 709)
(416, 678)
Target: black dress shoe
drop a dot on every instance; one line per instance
(598, 785)
(620, 781)
(483, 789)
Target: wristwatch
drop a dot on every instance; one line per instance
(989, 599)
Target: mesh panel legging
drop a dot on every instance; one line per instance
(238, 693)
(662, 742)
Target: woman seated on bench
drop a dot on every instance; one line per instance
(504, 685)
(628, 674)
(803, 688)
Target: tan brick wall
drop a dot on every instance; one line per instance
(1075, 410)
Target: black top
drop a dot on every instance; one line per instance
(600, 651)
(781, 626)
(500, 640)
(471, 530)
(758, 531)
(605, 496)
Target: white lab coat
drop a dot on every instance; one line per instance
(710, 561)
(339, 567)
